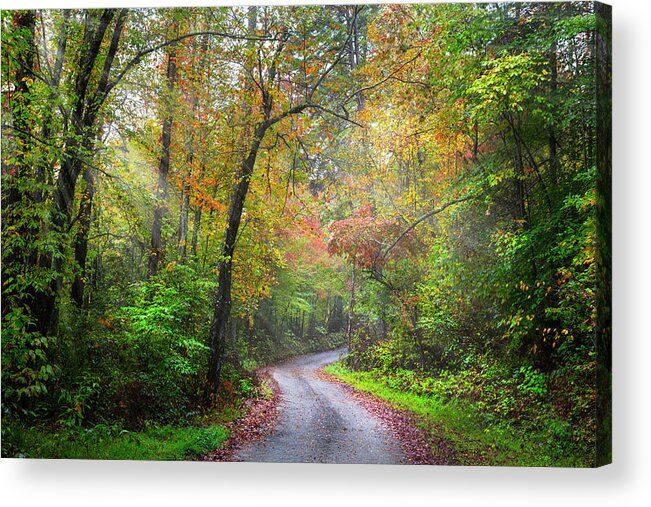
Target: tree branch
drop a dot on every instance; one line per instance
(292, 110)
(535, 166)
(336, 61)
(139, 57)
(422, 219)
(382, 81)
(333, 113)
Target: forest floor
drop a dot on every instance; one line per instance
(314, 418)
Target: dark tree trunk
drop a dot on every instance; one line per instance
(78, 146)
(311, 324)
(195, 230)
(19, 176)
(554, 168)
(336, 317)
(20, 100)
(353, 22)
(223, 303)
(184, 219)
(81, 238)
(46, 167)
(418, 335)
(79, 143)
(301, 325)
(520, 210)
(93, 134)
(221, 315)
(156, 252)
(351, 311)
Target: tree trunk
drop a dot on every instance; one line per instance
(418, 334)
(20, 101)
(79, 144)
(518, 182)
(184, 219)
(222, 310)
(354, 45)
(336, 316)
(81, 239)
(351, 310)
(156, 252)
(93, 135)
(195, 230)
(221, 315)
(552, 144)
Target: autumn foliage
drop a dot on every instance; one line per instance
(189, 194)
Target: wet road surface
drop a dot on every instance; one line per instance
(319, 423)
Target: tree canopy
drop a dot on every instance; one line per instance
(191, 193)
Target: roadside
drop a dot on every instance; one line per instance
(261, 414)
(419, 447)
(111, 442)
(458, 430)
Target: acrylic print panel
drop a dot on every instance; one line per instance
(333, 234)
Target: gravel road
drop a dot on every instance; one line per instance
(319, 423)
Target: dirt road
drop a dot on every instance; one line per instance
(320, 423)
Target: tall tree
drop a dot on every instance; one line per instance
(266, 76)
(156, 252)
(88, 195)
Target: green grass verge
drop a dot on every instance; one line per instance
(164, 443)
(475, 440)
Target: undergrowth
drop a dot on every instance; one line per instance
(510, 424)
(163, 443)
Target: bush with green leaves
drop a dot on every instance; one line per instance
(26, 366)
(162, 337)
(77, 402)
(142, 361)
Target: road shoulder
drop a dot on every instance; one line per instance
(402, 425)
(260, 420)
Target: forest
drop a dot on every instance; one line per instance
(190, 195)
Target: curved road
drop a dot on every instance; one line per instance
(318, 423)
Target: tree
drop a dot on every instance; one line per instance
(266, 75)
(156, 252)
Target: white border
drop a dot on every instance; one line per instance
(626, 482)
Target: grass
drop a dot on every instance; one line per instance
(162, 443)
(475, 440)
